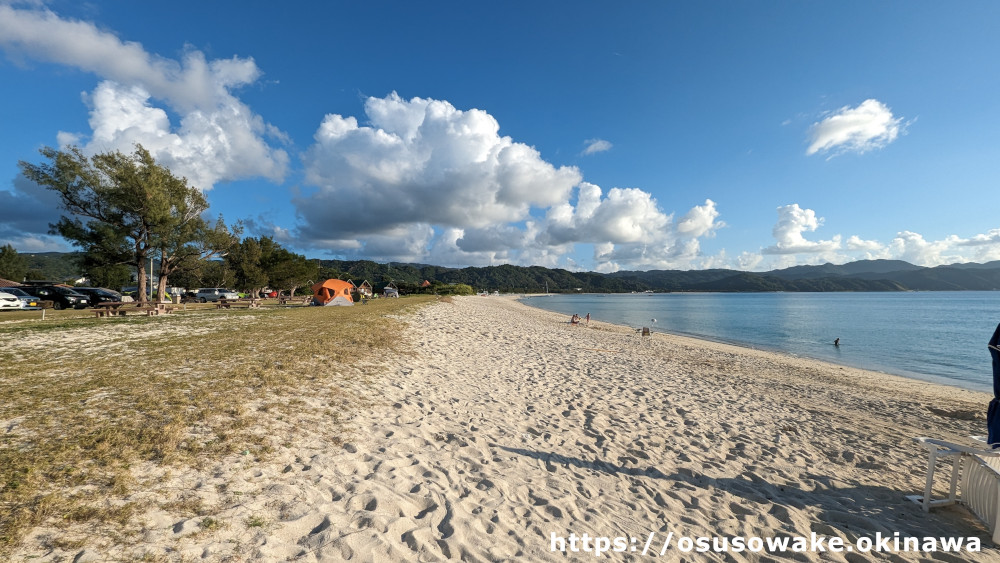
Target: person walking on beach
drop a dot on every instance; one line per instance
(588, 319)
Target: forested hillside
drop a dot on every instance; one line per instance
(864, 275)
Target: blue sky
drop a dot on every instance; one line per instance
(585, 135)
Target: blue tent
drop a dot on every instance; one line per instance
(993, 414)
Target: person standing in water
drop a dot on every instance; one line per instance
(836, 342)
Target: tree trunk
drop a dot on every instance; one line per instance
(141, 276)
(166, 268)
(161, 288)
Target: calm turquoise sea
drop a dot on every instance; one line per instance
(934, 336)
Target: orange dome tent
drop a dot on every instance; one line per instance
(332, 292)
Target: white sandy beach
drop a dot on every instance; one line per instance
(506, 425)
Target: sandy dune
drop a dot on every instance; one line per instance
(507, 425)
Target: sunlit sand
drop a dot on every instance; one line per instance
(506, 424)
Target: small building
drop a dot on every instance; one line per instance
(390, 290)
(365, 289)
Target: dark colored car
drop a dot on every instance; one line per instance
(62, 297)
(98, 295)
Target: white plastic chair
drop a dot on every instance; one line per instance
(980, 487)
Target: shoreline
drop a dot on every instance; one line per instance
(985, 387)
(502, 425)
(709, 342)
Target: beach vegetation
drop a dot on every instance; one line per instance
(255, 521)
(13, 266)
(244, 261)
(860, 276)
(126, 209)
(208, 524)
(252, 265)
(286, 270)
(455, 289)
(119, 394)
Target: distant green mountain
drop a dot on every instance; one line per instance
(676, 280)
(955, 277)
(975, 266)
(862, 275)
(53, 266)
(748, 281)
(870, 269)
(949, 278)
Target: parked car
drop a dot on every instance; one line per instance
(62, 297)
(98, 295)
(28, 301)
(9, 302)
(206, 294)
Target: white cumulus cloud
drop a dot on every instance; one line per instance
(856, 243)
(792, 248)
(218, 139)
(792, 222)
(629, 231)
(869, 126)
(422, 161)
(913, 248)
(489, 199)
(192, 84)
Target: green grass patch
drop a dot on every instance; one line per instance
(83, 399)
(255, 521)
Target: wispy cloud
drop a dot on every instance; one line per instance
(595, 146)
(869, 126)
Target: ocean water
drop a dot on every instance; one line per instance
(933, 336)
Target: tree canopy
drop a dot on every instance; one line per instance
(13, 266)
(257, 263)
(125, 208)
(285, 270)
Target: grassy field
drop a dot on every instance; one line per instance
(83, 400)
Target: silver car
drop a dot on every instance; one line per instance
(28, 301)
(206, 294)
